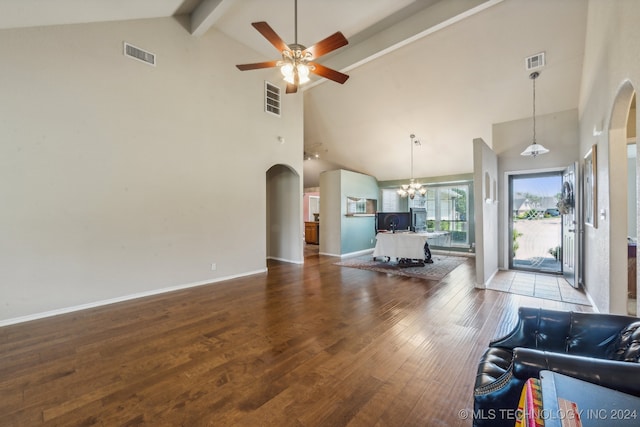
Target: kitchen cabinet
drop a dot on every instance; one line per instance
(312, 232)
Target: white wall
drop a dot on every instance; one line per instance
(611, 68)
(120, 179)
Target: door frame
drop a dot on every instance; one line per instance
(506, 208)
(510, 220)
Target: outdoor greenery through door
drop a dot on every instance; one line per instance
(535, 222)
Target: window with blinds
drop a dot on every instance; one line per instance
(447, 208)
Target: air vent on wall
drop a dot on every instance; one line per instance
(272, 99)
(535, 61)
(139, 54)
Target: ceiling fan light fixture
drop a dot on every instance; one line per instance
(287, 71)
(303, 73)
(296, 64)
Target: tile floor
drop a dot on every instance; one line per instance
(538, 285)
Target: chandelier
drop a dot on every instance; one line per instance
(410, 189)
(534, 149)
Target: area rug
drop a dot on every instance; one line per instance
(442, 265)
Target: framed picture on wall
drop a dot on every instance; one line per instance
(591, 187)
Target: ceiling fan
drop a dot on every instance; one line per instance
(296, 62)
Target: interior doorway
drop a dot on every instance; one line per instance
(622, 257)
(632, 214)
(283, 214)
(535, 222)
(314, 208)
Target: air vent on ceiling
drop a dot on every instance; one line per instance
(272, 99)
(535, 61)
(139, 54)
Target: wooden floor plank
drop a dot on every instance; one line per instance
(310, 345)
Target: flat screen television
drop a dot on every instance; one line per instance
(393, 221)
(418, 219)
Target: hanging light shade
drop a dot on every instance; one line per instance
(534, 149)
(412, 188)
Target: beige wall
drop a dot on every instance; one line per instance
(120, 179)
(485, 166)
(284, 215)
(558, 132)
(438, 88)
(611, 73)
(330, 209)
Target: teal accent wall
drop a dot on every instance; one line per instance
(341, 234)
(358, 233)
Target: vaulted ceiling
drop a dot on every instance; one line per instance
(444, 70)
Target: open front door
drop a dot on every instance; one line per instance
(568, 210)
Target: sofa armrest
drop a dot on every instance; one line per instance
(537, 328)
(621, 376)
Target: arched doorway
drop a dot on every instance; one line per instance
(619, 129)
(284, 214)
(632, 209)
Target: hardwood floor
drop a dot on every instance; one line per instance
(312, 345)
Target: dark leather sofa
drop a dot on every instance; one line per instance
(599, 348)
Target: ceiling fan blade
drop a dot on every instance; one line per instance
(268, 33)
(327, 45)
(291, 88)
(257, 65)
(329, 73)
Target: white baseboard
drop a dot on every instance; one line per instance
(357, 253)
(285, 260)
(452, 253)
(328, 254)
(123, 298)
(593, 304)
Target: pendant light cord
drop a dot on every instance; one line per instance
(534, 149)
(534, 76)
(412, 136)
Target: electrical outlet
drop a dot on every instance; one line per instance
(371, 240)
(213, 266)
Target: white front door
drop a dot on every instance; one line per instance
(569, 225)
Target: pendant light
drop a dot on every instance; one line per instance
(534, 149)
